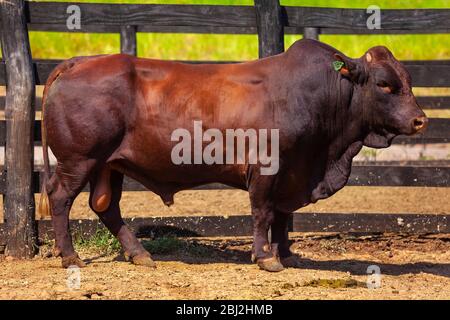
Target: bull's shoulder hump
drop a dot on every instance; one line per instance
(310, 46)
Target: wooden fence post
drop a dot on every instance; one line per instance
(269, 22)
(311, 33)
(19, 114)
(270, 26)
(128, 40)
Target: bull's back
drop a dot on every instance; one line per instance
(160, 91)
(216, 94)
(172, 96)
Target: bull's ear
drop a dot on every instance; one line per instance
(352, 69)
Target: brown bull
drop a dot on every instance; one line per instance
(114, 115)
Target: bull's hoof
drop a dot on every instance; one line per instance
(73, 260)
(142, 259)
(292, 261)
(271, 264)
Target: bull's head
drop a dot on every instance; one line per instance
(389, 106)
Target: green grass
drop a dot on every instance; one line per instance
(169, 244)
(369, 154)
(164, 245)
(102, 241)
(335, 283)
(242, 47)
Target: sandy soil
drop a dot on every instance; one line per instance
(411, 268)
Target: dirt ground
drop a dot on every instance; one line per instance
(333, 267)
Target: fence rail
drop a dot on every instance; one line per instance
(270, 22)
(241, 225)
(388, 174)
(52, 16)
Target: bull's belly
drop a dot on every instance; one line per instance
(149, 162)
(157, 172)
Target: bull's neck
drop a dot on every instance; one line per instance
(343, 118)
(343, 142)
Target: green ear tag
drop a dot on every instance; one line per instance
(337, 65)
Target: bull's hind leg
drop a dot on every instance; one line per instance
(63, 187)
(106, 191)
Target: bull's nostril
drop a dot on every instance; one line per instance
(419, 123)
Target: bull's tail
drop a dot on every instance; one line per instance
(44, 209)
(44, 204)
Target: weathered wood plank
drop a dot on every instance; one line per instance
(269, 21)
(391, 174)
(398, 176)
(206, 226)
(51, 13)
(43, 68)
(384, 175)
(434, 102)
(384, 30)
(311, 33)
(225, 30)
(240, 225)
(429, 73)
(128, 43)
(19, 114)
(404, 19)
(54, 13)
(3, 131)
(362, 175)
(371, 222)
(37, 105)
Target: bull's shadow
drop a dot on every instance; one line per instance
(355, 267)
(195, 251)
(359, 267)
(169, 243)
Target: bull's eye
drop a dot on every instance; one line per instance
(385, 87)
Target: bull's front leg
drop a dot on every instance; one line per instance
(263, 212)
(280, 238)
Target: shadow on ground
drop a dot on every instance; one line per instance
(193, 251)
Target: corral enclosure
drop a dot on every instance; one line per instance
(270, 21)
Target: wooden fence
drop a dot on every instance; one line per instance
(19, 179)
